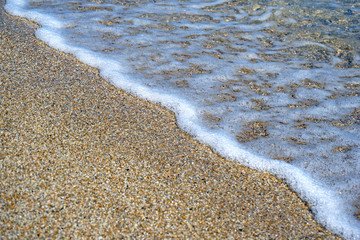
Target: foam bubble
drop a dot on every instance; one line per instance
(230, 74)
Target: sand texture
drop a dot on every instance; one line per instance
(82, 159)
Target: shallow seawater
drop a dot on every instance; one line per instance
(280, 77)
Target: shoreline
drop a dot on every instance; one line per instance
(82, 158)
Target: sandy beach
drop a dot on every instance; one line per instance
(80, 158)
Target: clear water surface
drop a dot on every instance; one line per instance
(272, 84)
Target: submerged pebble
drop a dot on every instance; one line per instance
(293, 65)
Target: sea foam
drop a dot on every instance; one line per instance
(256, 79)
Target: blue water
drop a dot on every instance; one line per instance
(272, 84)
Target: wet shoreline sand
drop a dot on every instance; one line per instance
(80, 158)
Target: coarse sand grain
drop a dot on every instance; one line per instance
(80, 158)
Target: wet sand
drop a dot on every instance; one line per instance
(82, 159)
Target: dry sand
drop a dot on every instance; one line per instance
(82, 159)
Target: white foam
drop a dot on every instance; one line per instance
(265, 16)
(17, 7)
(329, 208)
(201, 4)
